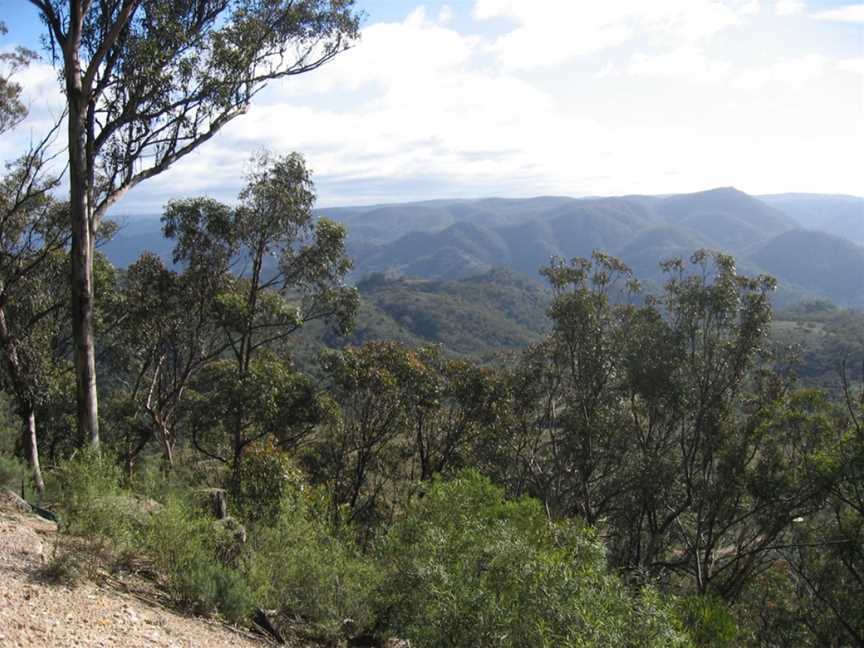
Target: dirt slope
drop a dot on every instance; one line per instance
(37, 613)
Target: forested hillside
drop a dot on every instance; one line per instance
(812, 257)
(480, 317)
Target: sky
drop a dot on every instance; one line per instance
(517, 98)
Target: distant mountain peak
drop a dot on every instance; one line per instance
(455, 239)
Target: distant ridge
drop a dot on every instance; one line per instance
(454, 239)
(836, 214)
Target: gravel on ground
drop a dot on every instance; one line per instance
(37, 613)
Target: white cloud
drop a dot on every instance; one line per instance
(791, 71)
(430, 113)
(40, 93)
(789, 7)
(420, 110)
(749, 7)
(689, 63)
(445, 14)
(607, 71)
(854, 65)
(387, 53)
(850, 13)
(552, 32)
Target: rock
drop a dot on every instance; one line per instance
(214, 501)
(230, 537)
(397, 643)
(13, 503)
(261, 618)
(138, 509)
(231, 528)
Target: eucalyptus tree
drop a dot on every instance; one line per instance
(167, 331)
(33, 260)
(405, 415)
(146, 83)
(33, 235)
(275, 267)
(825, 554)
(12, 109)
(661, 423)
(581, 428)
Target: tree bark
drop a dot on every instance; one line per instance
(32, 443)
(82, 251)
(25, 402)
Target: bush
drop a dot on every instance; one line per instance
(66, 565)
(98, 520)
(92, 504)
(312, 576)
(183, 546)
(207, 587)
(13, 472)
(151, 478)
(466, 568)
(110, 522)
(709, 621)
(264, 477)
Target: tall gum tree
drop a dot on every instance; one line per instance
(147, 82)
(30, 240)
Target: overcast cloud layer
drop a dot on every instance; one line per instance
(528, 97)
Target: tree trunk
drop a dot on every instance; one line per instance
(25, 401)
(82, 267)
(166, 439)
(32, 445)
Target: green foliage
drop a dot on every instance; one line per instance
(12, 109)
(99, 522)
(262, 481)
(209, 587)
(465, 567)
(183, 545)
(405, 415)
(657, 421)
(86, 487)
(67, 565)
(13, 472)
(819, 340)
(709, 621)
(295, 270)
(311, 576)
(233, 409)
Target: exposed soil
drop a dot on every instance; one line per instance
(35, 612)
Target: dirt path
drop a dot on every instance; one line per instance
(36, 613)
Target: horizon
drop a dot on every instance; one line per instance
(422, 201)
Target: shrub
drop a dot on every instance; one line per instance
(207, 587)
(709, 621)
(91, 502)
(465, 567)
(264, 477)
(66, 565)
(151, 477)
(98, 520)
(13, 472)
(183, 546)
(299, 567)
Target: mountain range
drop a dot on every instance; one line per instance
(812, 243)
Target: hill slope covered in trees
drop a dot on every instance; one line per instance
(454, 239)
